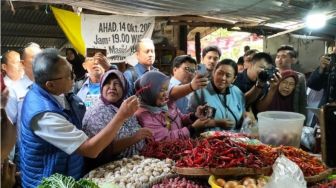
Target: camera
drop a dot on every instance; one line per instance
(267, 74)
(209, 112)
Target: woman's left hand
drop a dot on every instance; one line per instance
(200, 112)
(143, 133)
(201, 123)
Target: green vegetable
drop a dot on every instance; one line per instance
(61, 181)
(84, 183)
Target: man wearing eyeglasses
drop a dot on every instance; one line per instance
(51, 138)
(184, 68)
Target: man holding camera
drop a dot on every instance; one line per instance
(322, 76)
(285, 58)
(253, 82)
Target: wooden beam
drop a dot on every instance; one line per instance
(197, 19)
(200, 24)
(33, 35)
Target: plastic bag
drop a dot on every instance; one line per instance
(249, 126)
(308, 137)
(286, 174)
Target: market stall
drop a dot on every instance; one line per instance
(217, 159)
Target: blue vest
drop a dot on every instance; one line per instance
(38, 158)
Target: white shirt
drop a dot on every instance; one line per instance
(17, 92)
(57, 130)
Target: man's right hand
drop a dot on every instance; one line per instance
(324, 62)
(8, 170)
(129, 107)
(199, 82)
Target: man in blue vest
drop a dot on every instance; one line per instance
(51, 138)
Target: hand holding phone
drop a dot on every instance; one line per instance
(201, 69)
(90, 52)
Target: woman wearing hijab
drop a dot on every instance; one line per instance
(76, 61)
(160, 114)
(222, 95)
(130, 137)
(284, 96)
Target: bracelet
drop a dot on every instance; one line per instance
(191, 87)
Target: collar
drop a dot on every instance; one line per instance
(62, 101)
(88, 82)
(175, 81)
(214, 91)
(142, 68)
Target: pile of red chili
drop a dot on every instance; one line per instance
(167, 149)
(309, 165)
(219, 153)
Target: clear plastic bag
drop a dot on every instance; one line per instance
(249, 126)
(286, 174)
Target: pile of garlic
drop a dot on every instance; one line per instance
(132, 172)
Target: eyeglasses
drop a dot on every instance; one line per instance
(72, 76)
(190, 70)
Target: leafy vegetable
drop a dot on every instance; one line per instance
(61, 181)
(84, 183)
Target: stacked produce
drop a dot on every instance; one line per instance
(246, 182)
(59, 180)
(309, 165)
(171, 149)
(178, 182)
(131, 172)
(331, 184)
(219, 153)
(267, 153)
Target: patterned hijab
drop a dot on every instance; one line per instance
(106, 77)
(284, 103)
(148, 87)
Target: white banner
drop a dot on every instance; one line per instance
(117, 34)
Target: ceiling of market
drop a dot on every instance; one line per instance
(33, 20)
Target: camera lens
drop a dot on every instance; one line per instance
(263, 76)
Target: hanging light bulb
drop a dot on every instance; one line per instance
(316, 20)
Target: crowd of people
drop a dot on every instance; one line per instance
(70, 115)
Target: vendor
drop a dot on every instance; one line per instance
(160, 114)
(222, 95)
(130, 137)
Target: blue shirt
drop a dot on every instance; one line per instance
(244, 83)
(181, 103)
(89, 93)
(132, 74)
(230, 105)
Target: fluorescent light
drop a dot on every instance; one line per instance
(316, 21)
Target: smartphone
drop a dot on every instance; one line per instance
(209, 112)
(201, 69)
(3, 86)
(90, 52)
